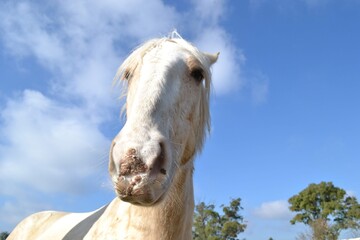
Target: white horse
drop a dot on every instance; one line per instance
(151, 159)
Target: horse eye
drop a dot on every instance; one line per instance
(126, 74)
(197, 74)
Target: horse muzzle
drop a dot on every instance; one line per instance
(138, 178)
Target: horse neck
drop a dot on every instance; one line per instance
(178, 207)
(169, 219)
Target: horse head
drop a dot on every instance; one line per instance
(167, 117)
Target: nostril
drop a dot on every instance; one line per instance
(159, 161)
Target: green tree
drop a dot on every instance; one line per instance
(326, 209)
(3, 235)
(211, 225)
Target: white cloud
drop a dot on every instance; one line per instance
(227, 70)
(78, 40)
(209, 11)
(85, 50)
(274, 210)
(27, 35)
(48, 147)
(211, 37)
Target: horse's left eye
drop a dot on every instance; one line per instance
(127, 75)
(197, 74)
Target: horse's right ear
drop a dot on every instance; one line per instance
(212, 57)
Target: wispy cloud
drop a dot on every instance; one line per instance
(275, 210)
(45, 140)
(273, 218)
(46, 148)
(209, 11)
(210, 36)
(82, 42)
(227, 75)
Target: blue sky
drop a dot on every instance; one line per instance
(285, 104)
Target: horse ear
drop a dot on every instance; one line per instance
(212, 57)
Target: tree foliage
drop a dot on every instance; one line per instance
(211, 225)
(326, 209)
(3, 235)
